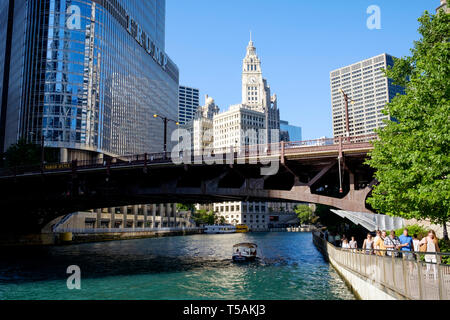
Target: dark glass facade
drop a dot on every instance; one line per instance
(88, 75)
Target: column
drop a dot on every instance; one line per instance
(135, 213)
(174, 210)
(112, 222)
(153, 215)
(99, 218)
(161, 215)
(145, 209)
(168, 214)
(125, 216)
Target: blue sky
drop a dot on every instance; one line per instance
(299, 43)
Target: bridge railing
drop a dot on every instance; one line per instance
(265, 150)
(411, 276)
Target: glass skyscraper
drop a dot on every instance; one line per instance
(290, 133)
(88, 75)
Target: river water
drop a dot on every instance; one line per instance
(175, 268)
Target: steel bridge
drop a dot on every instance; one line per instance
(326, 171)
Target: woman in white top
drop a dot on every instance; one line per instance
(368, 244)
(345, 244)
(432, 245)
(416, 243)
(353, 244)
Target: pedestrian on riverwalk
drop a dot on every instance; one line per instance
(368, 244)
(392, 244)
(432, 246)
(375, 240)
(337, 240)
(353, 244)
(406, 245)
(416, 243)
(345, 244)
(379, 244)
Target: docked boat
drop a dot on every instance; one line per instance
(217, 229)
(242, 228)
(244, 252)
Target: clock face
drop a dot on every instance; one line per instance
(253, 80)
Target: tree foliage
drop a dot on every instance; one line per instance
(304, 213)
(23, 154)
(412, 158)
(204, 217)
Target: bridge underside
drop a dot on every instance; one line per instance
(29, 202)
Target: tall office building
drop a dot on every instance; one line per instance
(364, 83)
(289, 132)
(189, 101)
(86, 75)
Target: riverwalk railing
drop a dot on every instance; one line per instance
(409, 276)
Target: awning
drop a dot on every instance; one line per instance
(371, 221)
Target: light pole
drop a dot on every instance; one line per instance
(166, 121)
(347, 122)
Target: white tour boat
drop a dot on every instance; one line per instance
(216, 229)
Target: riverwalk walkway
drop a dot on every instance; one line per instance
(388, 277)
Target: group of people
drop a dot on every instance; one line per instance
(393, 246)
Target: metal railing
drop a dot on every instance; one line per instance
(235, 153)
(414, 275)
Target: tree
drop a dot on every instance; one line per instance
(23, 154)
(304, 213)
(203, 217)
(411, 158)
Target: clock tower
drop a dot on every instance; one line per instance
(253, 86)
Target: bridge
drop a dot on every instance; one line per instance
(326, 171)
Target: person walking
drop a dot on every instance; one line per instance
(380, 244)
(406, 245)
(368, 244)
(416, 243)
(392, 244)
(353, 244)
(337, 240)
(432, 246)
(375, 240)
(345, 244)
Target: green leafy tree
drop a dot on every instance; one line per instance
(304, 213)
(23, 154)
(203, 217)
(412, 156)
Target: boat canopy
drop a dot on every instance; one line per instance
(247, 245)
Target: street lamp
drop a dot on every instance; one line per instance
(347, 123)
(166, 121)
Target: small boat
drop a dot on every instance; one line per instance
(244, 252)
(216, 229)
(242, 228)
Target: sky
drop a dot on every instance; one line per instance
(298, 41)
